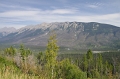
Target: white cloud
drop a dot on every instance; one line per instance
(18, 13)
(92, 6)
(64, 11)
(111, 16)
(56, 15)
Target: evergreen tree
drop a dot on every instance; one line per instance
(51, 55)
(40, 58)
(85, 63)
(24, 53)
(100, 64)
(89, 56)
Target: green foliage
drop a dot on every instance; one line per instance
(92, 65)
(10, 51)
(5, 63)
(68, 70)
(51, 51)
(40, 58)
(24, 52)
(89, 55)
(85, 63)
(50, 66)
(51, 55)
(100, 63)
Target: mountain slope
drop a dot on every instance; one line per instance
(5, 31)
(69, 34)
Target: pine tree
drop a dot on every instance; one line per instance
(40, 58)
(24, 53)
(100, 64)
(89, 56)
(51, 55)
(85, 63)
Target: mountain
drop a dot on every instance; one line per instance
(6, 30)
(69, 34)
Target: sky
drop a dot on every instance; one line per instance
(20, 13)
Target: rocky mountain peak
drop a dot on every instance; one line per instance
(69, 34)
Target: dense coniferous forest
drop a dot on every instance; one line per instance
(22, 63)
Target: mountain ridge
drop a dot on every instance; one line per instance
(69, 34)
(6, 30)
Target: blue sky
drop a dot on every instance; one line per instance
(19, 13)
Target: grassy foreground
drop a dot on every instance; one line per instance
(8, 70)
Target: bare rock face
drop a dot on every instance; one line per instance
(69, 34)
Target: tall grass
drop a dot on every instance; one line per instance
(9, 70)
(11, 73)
